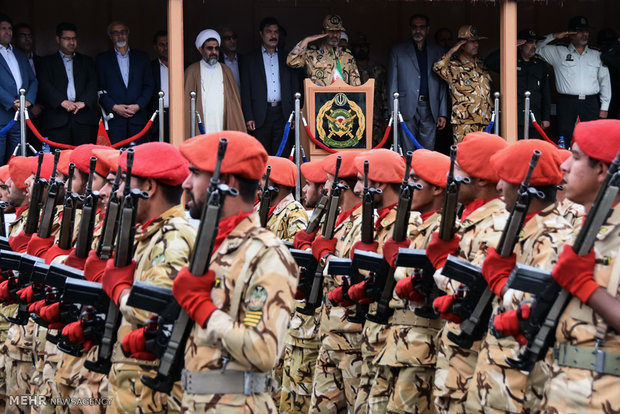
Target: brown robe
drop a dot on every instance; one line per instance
(233, 115)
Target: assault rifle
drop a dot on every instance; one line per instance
(89, 213)
(265, 200)
(51, 200)
(540, 327)
(3, 205)
(319, 211)
(110, 223)
(65, 240)
(171, 361)
(38, 187)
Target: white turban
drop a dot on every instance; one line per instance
(344, 36)
(207, 34)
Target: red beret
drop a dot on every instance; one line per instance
(81, 158)
(283, 171)
(64, 161)
(313, 171)
(347, 166)
(512, 163)
(19, 170)
(475, 151)
(46, 167)
(431, 166)
(4, 173)
(108, 158)
(385, 166)
(598, 139)
(564, 154)
(245, 155)
(157, 160)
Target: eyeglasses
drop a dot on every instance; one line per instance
(231, 37)
(25, 35)
(119, 33)
(211, 48)
(418, 26)
(69, 39)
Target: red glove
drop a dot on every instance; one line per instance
(390, 249)
(93, 267)
(496, 270)
(367, 247)
(303, 240)
(19, 243)
(76, 262)
(357, 293)
(508, 322)
(443, 305)
(5, 296)
(405, 288)
(51, 314)
(54, 252)
(35, 307)
(134, 345)
(38, 246)
(75, 333)
(194, 294)
(116, 279)
(26, 294)
(438, 250)
(339, 296)
(575, 273)
(321, 246)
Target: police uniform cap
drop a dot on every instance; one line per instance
(19, 170)
(385, 166)
(599, 139)
(313, 171)
(157, 160)
(512, 163)
(347, 165)
(528, 34)
(431, 166)
(81, 158)
(283, 171)
(578, 23)
(475, 151)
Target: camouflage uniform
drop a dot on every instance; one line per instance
(498, 387)
(470, 89)
(255, 283)
(572, 212)
(338, 368)
(578, 390)
(287, 218)
(320, 63)
(455, 365)
(380, 109)
(162, 248)
(408, 358)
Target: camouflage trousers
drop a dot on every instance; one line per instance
(18, 380)
(460, 130)
(235, 404)
(402, 390)
(299, 364)
(374, 336)
(453, 374)
(336, 381)
(91, 386)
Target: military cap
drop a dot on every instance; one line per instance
(46, 167)
(108, 157)
(474, 152)
(512, 163)
(598, 139)
(385, 166)
(157, 160)
(81, 158)
(333, 22)
(431, 166)
(19, 170)
(245, 155)
(283, 171)
(4, 173)
(313, 171)
(578, 23)
(469, 32)
(64, 161)
(528, 34)
(564, 154)
(347, 166)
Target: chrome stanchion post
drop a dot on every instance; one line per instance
(395, 116)
(160, 114)
(22, 120)
(104, 115)
(192, 113)
(526, 116)
(496, 105)
(297, 145)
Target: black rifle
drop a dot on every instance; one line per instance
(51, 200)
(89, 212)
(307, 268)
(172, 360)
(3, 205)
(24, 265)
(110, 223)
(265, 200)
(319, 211)
(65, 240)
(122, 257)
(476, 307)
(540, 327)
(313, 300)
(34, 209)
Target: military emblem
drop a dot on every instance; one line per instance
(157, 260)
(340, 122)
(258, 298)
(319, 74)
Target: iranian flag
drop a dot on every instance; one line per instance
(337, 72)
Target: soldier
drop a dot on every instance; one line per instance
(571, 211)
(4, 187)
(326, 62)
(242, 305)
(315, 177)
(480, 226)
(496, 386)
(286, 215)
(469, 84)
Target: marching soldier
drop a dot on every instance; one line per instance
(571, 211)
(315, 177)
(326, 62)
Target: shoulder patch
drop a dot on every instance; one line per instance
(257, 299)
(159, 259)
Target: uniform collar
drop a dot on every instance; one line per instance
(150, 227)
(283, 203)
(484, 211)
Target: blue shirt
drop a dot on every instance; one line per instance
(68, 62)
(423, 64)
(272, 74)
(234, 66)
(123, 64)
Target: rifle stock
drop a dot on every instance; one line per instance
(89, 212)
(51, 200)
(38, 187)
(65, 240)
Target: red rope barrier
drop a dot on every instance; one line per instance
(542, 133)
(43, 139)
(135, 137)
(317, 142)
(385, 137)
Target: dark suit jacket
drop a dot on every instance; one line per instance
(153, 104)
(139, 89)
(8, 88)
(53, 90)
(254, 87)
(404, 78)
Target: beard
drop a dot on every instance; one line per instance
(121, 44)
(211, 59)
(195, 207)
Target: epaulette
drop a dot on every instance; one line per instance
(346, 49)
(538, 57)
(313, 47)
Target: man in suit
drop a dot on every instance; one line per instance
(68, 89)
(159, 66)
(268, 88)
(228, 52)
(15, 73)
(423, 95)
(127, 79)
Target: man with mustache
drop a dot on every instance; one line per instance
(268, 88)
(217, 96)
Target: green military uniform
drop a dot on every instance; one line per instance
(321, 62)
(470, 89)
(287, 218)
(496, 386)
(162, 249)
(255, 282)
